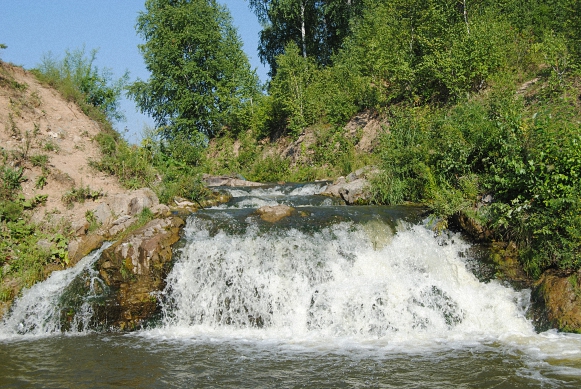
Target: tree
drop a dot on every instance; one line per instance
(317, 27)
(200, 77)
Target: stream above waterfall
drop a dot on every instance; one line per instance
(330, 296)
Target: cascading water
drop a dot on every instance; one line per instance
(42, 309)
(331, 296)
(339, 282)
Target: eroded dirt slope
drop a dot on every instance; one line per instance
(35, 120)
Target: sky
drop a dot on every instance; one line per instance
(33, 28)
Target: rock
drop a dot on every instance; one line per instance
(353, 189)
(140, 199)
(273, 214)
(44, 244)
(472, 227)
(103, 213)
(133, 202)
(80, 227)
(366, 172)
(183, 203)
(121, 220)
(134, 269)
(161, 210)
(354, 192)
(557, 302)
(121, 224)
(80, 247)
(368, 125)
(228, 181)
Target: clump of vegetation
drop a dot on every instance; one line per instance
(94, 224)
(170, 169)
(25, 247)
(79, 80)
(80, 194)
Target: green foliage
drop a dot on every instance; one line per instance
(79, 80)
(59, 252)
(94, 224)
(131, 164)
(270, 169)
(10, 179)
(40, 160)
(10, 211)
(169, 168)
(200, 77)
(289, 89)
(50, 146)
(527, 157)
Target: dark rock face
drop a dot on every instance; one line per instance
(557, 302)
(135, 269)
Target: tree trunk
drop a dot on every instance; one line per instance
(466, 16)
(303, 30)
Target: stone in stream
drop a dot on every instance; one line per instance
(273, 214)
(228, 181)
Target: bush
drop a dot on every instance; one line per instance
(79, 80)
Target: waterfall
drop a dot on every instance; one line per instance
(42, 309)
(327, 272)
(336, 283)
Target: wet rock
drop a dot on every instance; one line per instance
(557, 302)
(135, 269)
(273, 214)
(505, 258)
(471, 226)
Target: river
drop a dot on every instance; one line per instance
(330, 297)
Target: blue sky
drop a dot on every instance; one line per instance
(32, 28)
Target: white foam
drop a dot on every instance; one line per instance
(334, 287)
(37, 311)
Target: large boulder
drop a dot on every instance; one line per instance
(135, 269)
(131, 203)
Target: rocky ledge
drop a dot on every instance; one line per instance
(134, 269)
